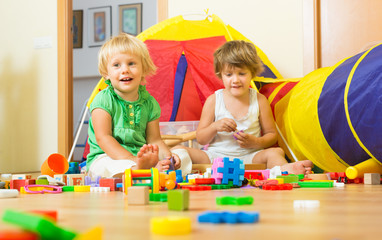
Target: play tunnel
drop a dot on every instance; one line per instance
(333, 116)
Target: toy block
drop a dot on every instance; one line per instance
(232, 170)
(46, 213)
(316, 176)
(255, 166)
(75, 179)
(73, 168)
(82, 188)
(18, 183)
(2, 185)
(200, 181)
(18, 235)
(197, 187)
(158, 197)
(289, 178)
(9, 193)
(313, 184)
(42, 181)
(172, 225)
(207, 174)
(259, 183)
(99, 189)
(95, 183)
(303, 204)
(40, 189)
(46, 228)
(110, 182)
(229, 200)
(228, 217)
(21, 176)
(93, 234)
(285, 186)
(61, 178)
(68, 188)
(138, 195)
(372, 178)
(178, 199)
(217, 163)
(253, 175)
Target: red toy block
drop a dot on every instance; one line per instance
(259, 183)
(285, 186)
(47, 213)
(18, 235)
(18, 183)
(197, 188)
(110, 182)
(253, 175)
(199, 181)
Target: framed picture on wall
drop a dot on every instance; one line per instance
(99, 25)
(130, 18)
(77, 28)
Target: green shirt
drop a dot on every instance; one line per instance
(129, 120)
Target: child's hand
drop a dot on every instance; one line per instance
(244, 140)
(225, 125)
(163, 165)
(177, 162)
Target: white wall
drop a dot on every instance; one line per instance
(28, 80)
(275, 26)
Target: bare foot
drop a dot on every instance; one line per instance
(147, 157)
(300, 167)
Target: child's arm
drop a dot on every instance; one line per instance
(102, 124)
(268, 127)
(208, 128)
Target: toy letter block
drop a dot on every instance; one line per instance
(75, 179)
(178, 199)
(138, 195)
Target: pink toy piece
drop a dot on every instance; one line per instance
(56, 189)
(218, 163)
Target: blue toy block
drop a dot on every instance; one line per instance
(228, 217)
(232, 170)
(73, 168)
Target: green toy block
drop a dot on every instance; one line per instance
(178, 199)
(229, 200)
(47, 229)
(158, 197)
(310, 184)
(42, 181)
(68, 188)
(289, 178)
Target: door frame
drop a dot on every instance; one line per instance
(65, 76)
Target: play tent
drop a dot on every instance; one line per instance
(183, 52)
(333, 116)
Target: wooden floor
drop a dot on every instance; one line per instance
(352, 212)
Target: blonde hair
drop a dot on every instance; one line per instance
(125, 43)
(237, 53)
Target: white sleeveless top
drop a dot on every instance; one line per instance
(224, 143)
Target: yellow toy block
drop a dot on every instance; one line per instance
(172, 225)
(93, 234)
(82, 188)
